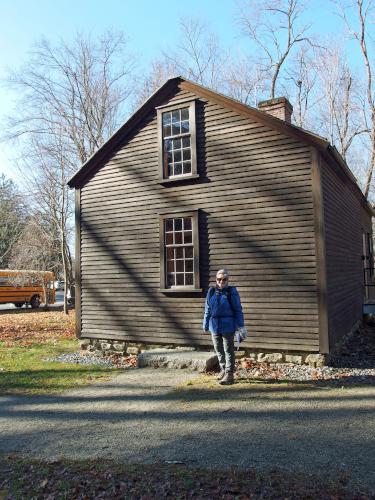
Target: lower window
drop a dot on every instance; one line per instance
(179, 251)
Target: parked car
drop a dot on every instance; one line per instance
(60, 285)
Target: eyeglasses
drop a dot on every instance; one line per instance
(221, 279)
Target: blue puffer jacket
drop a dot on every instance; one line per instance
(219, 315)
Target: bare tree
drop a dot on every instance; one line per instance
(364, 10)
(338, 112)
(303, 73)
(36, 251)
(13, 215)
(197, 56)
(73, 97)
(79, 90)
(274, 27)
(46, 166)
(161, 70)
(244, 80)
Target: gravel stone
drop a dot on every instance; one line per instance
(356, 364)
(92, 359)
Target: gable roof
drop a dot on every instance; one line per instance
(88, 169)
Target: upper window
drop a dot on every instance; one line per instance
(177, 150)
(179, 257)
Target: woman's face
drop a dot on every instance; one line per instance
(221, 280)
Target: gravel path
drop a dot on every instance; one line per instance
(139, 417)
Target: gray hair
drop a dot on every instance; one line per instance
(223, 271)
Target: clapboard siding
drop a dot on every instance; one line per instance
(343, 241)
(256, 217)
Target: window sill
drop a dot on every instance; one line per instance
(179, 179)
(181, 290)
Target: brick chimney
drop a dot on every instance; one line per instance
(279, 107)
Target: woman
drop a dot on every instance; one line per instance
(222, 317)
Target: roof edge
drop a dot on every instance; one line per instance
(77, 179)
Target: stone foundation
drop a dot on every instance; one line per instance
(105, 347)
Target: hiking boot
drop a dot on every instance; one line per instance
(221, 375)
(228, 379)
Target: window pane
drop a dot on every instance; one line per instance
(188, 238)
(179, 253)
(167, 130)
(177, 168)
(186, 167)
(184, 127)
(186, 142)
(167, 117)
(170, 253)
(176, 116)
(189, 279)
(185, 114)
(170, 266)
(187, 154)
(169, 225)
(187, 223)
(180, 266)
(177, 155)
(189, 253)
(178, 224)
(170, 169)
(189, 266)
(179, 279)
(169, 238)
(176, 129)
(176, 144)
(168, 145)
(170, 279)
(178, 238)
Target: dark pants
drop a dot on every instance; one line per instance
(224, 348)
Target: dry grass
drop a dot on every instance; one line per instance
(28, 327)
(62, 479)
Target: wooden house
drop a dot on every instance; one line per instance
(195, 181)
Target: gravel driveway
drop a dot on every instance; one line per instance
(138, 416)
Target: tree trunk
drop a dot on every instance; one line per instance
(45, 291)
(65, 262)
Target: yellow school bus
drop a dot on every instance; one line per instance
(26, 287)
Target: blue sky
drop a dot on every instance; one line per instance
(150, 26)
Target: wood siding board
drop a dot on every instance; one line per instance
(109, 176)
(320, 252)
(342, 208)
(261, 177)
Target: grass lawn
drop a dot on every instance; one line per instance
(27, 338)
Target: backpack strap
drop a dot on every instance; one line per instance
(228, 294)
